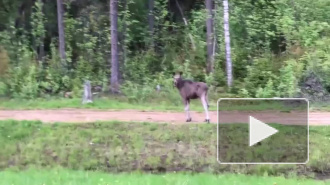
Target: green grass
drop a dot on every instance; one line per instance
(265, 105)
(121, 103)
(288, 145)
(63, 177)
(125, 147)
(100, 103)
(321, 106)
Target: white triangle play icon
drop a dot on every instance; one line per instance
(259, 131)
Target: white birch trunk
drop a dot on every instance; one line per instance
(227, 43)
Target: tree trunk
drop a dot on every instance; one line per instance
(122, 47)
(227, 43)
(210, 36)
(61, 34)
(114, 46)
(151, 20)
(215, 36)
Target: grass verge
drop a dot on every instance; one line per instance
(56, 177)
(121, 103)
(126, 147)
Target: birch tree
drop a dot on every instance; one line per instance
(114, 46)
(227, 43)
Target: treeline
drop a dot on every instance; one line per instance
(50, 47)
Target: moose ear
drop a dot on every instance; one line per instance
(180, 73)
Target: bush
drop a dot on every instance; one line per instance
(30, 85)
(317, 60)
(3, 89)
(267, 92)
(259, 76)
(288, 82)
(141, 93)
(263, 82)
(4, 61)
(136, 68)
(136, 92)
(22, 83)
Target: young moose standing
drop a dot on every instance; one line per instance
(192, 90)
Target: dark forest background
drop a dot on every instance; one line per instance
(278, 48)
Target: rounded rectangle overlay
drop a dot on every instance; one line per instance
(242, 141)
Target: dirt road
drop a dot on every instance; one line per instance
(81, 115)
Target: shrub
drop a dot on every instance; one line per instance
(259, 75)
(3, 89)
(22, 83)
(142, 93)
(136, 92)
(243, 93)
(288, 80)
(317, 60)
(263, 82)
(267, 92)
(4, 61)
(30, 85)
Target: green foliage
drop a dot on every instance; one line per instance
(38, 24)
(288, 80)
(137, 93)
(147, 91)
(24, 82)
(4, 61)
(263, 81)
(317, 60)
(263, 37)
(3, 89)
(244, 93)
(268, 91)
(259, 76)
(136, 68)
(29, 85)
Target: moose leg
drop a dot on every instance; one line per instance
(186, 108)
(207, 100)
(205, 105)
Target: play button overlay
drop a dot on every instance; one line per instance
(259, 131)
(263, 131)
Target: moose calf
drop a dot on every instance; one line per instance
(192, 90)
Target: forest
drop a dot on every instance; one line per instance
(277, 48)
(134, 130)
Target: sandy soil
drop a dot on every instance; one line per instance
(81, 115)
